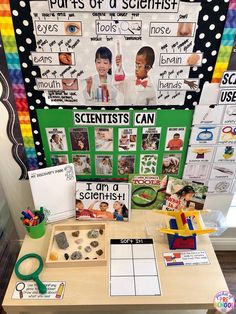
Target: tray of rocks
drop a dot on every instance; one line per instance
(77, 245)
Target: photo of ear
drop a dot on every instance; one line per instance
(65, 58)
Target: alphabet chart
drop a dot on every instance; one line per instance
(133, 268)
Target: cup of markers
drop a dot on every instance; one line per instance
(34, 223)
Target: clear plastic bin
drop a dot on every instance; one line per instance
(215, 219)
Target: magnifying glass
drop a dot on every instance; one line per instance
(34, 274)
(20, 287)
(125, 26)
(144, 196)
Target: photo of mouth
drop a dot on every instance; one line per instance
(70, 84)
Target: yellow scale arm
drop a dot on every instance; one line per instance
(183, 229)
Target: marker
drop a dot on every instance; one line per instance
(26, 215)
(35, 222)
(30, 213)
(41, 217)
(27, 222)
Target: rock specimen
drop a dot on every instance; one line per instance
(94, 243)
(66, 256)
(99, 252)
(76, 255)
(79, 241)
(61, 240)
(75, 233)
(88, 249)
(93, 233)
(53, 256)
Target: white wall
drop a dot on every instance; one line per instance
(17, 192)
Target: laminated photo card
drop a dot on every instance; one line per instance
(102, 201)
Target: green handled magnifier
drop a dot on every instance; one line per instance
(34, 275)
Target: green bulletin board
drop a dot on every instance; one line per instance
(114, 144)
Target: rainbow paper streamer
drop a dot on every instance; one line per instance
(227, 42)
(15, 75)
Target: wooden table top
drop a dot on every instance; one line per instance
(87, 288)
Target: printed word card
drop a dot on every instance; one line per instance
(190, 258)
(133, 268)
(28, 290)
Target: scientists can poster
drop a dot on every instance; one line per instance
(116, 144)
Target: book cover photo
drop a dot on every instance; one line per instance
(184, 194)
(102, 201)
(148, 191)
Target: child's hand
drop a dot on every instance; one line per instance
(104, 87)
(174, 160)
(119, 60)
(89, 83)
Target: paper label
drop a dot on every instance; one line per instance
(190, 258)
(28, 290)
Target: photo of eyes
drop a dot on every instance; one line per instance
(73, 28)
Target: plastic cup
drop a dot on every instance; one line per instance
(37, 231)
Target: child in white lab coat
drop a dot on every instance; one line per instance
(138, 89)
(99, 87)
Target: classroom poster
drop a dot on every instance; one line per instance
(214, 126)
(211, 154)
(158, 55)
(152, 48)
(110, 144)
